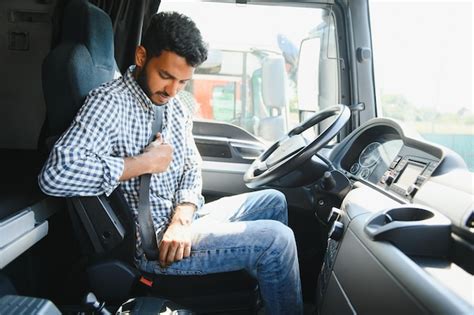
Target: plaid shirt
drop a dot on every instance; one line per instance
(115, 122)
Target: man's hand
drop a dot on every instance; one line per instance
(176, 242)
(158, 154)
(155, 158)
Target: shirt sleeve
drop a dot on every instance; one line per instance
(81, 164)
(190, 185)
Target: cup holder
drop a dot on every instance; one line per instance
(402, 225)
(409, 214)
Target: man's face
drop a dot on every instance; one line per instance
(162, 77)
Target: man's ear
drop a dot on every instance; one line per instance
(140, 56)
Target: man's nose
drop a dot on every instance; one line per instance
(173, 88)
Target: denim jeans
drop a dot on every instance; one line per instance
(247, 231)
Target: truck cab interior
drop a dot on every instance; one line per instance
(382, 217)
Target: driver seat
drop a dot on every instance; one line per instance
(83, 60)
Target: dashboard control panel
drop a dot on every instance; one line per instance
(406, 174)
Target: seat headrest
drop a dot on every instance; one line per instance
(86, 24)
(82, 61)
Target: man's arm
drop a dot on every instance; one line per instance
(176, 242)
(190, 184)
(155, 159)
(80, 164)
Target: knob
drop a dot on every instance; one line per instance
(336, 231)
(328, 181)
(411, 190)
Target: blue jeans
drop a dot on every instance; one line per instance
(247, 231)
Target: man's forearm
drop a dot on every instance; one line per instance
(155, 159)
(134, 166)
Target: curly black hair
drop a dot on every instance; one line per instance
(175, 32)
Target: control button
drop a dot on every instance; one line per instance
(336, 231)
(334, 215)
(431, 167)
(411, 190)
(420, 179)
(401, 165)
(395, 162)
(427, 172)
(390, 178)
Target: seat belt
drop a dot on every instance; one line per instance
(145, 221)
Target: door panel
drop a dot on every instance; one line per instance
(227, 151)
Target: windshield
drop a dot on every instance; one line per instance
(423, 69)
(251, 76)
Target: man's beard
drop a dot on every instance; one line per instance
(143, 83)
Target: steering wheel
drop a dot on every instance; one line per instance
(291, 151)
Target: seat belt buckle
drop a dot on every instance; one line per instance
(146, 282)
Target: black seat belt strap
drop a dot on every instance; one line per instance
(145, 221)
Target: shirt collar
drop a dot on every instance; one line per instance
(136, 90)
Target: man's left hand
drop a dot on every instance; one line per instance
(176, 242)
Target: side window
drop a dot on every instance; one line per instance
(252, 77)
(423, 69)
(217, 86)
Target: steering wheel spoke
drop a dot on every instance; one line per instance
(288, 153)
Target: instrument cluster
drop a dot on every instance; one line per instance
(375, 159)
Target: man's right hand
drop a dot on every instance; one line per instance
(156, 158)
(158, 155)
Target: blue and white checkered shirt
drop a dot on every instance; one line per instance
(116, 122)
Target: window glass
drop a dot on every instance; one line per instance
(250, 77)
(423, 69)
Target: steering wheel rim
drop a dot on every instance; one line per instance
(286, 154)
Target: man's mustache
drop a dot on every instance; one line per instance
(163, 93)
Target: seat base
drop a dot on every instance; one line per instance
(234, 291)
(237, 292)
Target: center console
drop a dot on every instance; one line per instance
(378, 255)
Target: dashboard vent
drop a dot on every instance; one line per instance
(470, 221)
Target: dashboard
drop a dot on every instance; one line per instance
(406, 225)
(381, 154)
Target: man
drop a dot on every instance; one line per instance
(107, 145)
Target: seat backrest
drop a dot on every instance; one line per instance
(83, 60)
